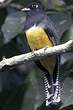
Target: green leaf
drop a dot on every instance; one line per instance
(62, 22)
(67, 35)
(3, 14)
(24, 2)
(69, 2)
(13, 25)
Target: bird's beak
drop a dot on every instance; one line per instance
(25, 9)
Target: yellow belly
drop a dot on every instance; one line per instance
(37, 38)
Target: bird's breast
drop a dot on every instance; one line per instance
(37, 38)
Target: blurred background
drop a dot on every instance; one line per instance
(21, 88)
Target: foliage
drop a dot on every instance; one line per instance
(22, 88)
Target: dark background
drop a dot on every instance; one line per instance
(21, 87)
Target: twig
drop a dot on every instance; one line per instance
(35, 55)
(5, 3)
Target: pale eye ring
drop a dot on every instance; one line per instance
(34, 6)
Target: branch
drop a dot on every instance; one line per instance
(5, 3)
(36, 55)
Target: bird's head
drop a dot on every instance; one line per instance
(34, 14)
(33, 6)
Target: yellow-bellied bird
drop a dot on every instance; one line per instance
(40, 33)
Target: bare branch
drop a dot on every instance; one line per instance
(5, 3)
(35, 55)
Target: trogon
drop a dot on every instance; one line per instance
(40, 32)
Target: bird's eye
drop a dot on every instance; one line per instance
(34, 6)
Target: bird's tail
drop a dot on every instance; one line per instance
(48, 90)
(56, 84)
(56, 95)
(52, 87)
(52, 91)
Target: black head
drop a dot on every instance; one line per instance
(34, 14)
(33, 6)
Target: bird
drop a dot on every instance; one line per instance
(40, 32)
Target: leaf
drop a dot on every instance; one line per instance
(13, 25)
(3, 14)
(24, 2)
(62, 22)
(67, 96)
(69, 2)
